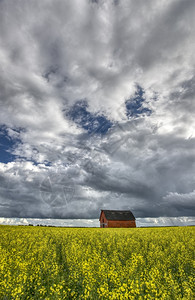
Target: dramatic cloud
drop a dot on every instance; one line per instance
(97, 108)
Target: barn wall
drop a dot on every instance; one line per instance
(121, 224)
(103, 220)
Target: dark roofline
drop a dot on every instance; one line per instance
(118, 215)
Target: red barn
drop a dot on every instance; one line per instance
(117, 219)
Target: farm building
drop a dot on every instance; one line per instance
(116, 219)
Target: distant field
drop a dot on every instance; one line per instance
(84, 263)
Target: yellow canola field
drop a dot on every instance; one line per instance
(94, 263)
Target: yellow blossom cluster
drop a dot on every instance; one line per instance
(94, 263)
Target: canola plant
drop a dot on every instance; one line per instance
(94, 263)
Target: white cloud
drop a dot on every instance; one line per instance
(93, 51)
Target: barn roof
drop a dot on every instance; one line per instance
(119, 215)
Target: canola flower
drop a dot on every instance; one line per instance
(93, 263)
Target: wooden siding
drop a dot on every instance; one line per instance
(103, 221)
(121, 224)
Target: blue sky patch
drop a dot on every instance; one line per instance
(134, 106)
(92, 123)
(6, 145)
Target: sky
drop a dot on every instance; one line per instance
(97, 108)
(140, 222)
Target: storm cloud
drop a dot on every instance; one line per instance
(97, 108)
